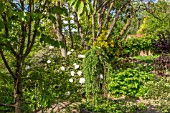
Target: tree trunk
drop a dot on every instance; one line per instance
(18, 85)
(80, 30)
(69, 28)
(60, 36)
(17, 95)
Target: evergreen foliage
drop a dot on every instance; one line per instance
(96, 70)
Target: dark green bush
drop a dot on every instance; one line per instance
(133, 45)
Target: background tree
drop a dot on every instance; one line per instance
(20, 23)
(95, 18)
(156, 18)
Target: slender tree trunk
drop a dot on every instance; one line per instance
(60, 36)
(69, 28)
(80, 30)
(113, 23)
(18, 85)
(17, 95)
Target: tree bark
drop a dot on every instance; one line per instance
(60, 35)
(125, 28)
(80, 30)
(69, 28)
(113, 23)
(18, 85)
(17, 95)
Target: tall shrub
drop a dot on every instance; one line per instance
(96, 70)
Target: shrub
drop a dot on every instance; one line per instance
(128, 82)
(96, 70)
(159, 91)
(162, 45)
(162, 65)
(112, 106)
(133, 46)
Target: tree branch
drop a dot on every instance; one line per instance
(93, 20)
(7, 35)
(22, 4)
(69, 27)
(22, 46)
(32, 41)
(29, 24)
(5, 24)
(150, 12)
(8, 105)
(117, 17)
(101, 5)
(106, 19)
(10, 47)
(6, 64)
(80, 30)
(107, 15)
(125, 27)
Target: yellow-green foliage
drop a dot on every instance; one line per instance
(103, 41)
(143, 26)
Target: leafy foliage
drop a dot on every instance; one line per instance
(156, 18)
(95, 64)
(6, 88)
(128, 82)
(108, 106)
(132, 46)
(162, 45)
(159, 91)
(162, 65)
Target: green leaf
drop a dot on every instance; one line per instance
(62, 44)
(47, 39)
(1, 25)
(52, 18)
(14, 17)
(1, 7)
(56, 10)
(55, 43)
(75, 5)
(36, 16)
(71, 2)
(80, 7)
(9, 12)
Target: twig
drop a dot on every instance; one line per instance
(8, 105)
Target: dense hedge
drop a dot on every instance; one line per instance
(132, 46)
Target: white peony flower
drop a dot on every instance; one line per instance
(69, 52)
(76, 66)
(51, 47)
(72, 73)
(48, 61)
(101, 76)
(79, 73)
(68, 93)
(82, 80)
(62, 68)
(81, 56)
(72, 50)
(70, 80)
(27, 67)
